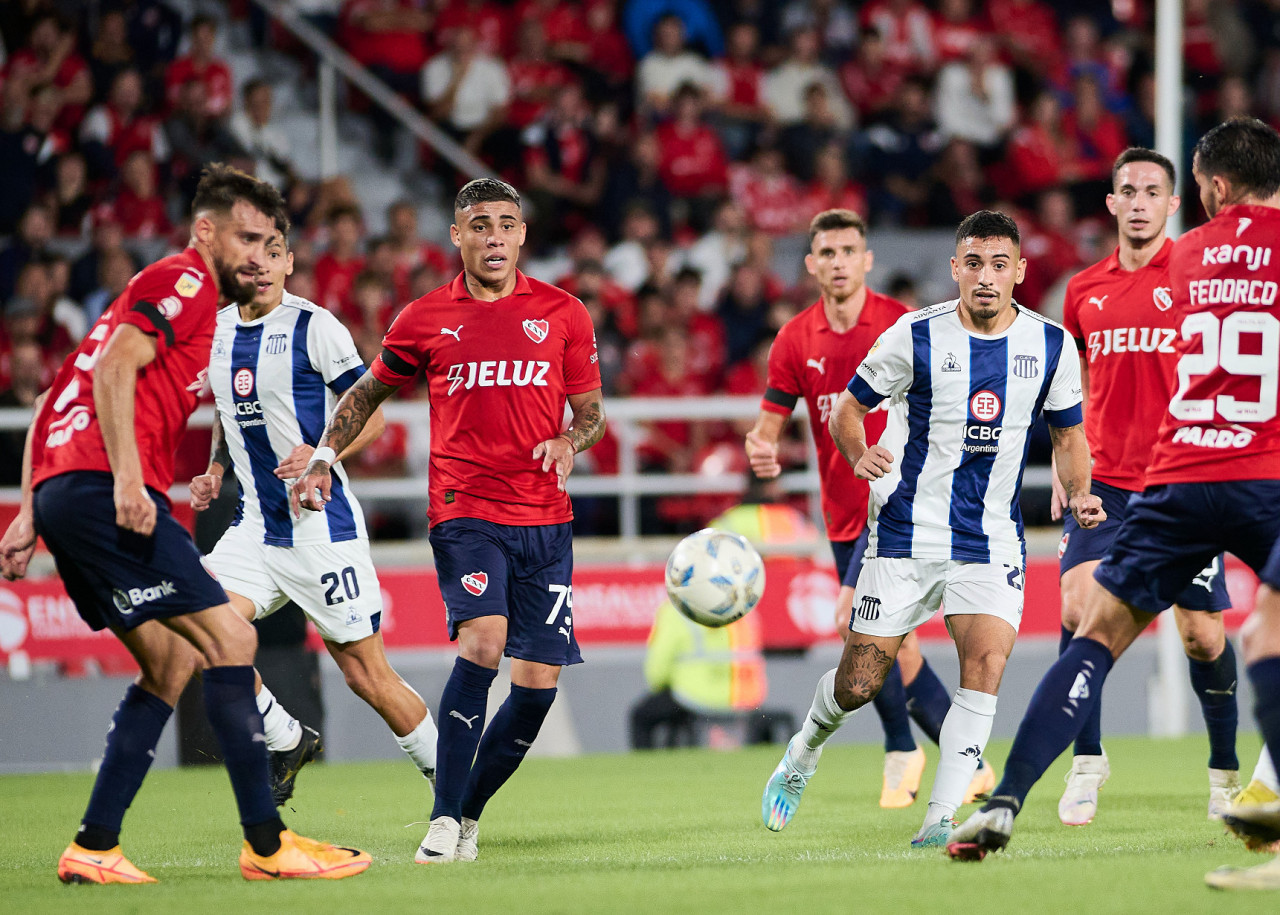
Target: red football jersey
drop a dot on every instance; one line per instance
(175, 300)
(498, 376)
(810, 360)
(1126, 329)
(1222, 422)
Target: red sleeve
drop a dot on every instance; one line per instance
(781, 372)
(581, 361)
(402, 353)
(170, 303)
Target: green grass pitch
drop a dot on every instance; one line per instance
(652, 832)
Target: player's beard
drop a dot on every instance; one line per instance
(233, 289)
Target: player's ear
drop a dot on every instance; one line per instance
(869, 262)
(808, 265)
(1022, 271)
(203, 227)
(524, 228)
(955, 270)
(1175, 202)
(288, 264)
(1111, 204)
(455, 235)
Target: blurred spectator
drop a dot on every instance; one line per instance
(110, 54)
(693, 161)
(35, 232)
(388, 37)
(974, 99)
(566, 31)
(786, 85)
(903, 288)
(750, 375)
(769, 196)
(1028, 30)
(564, 172)
(1086, 56)
(491, 22)
(535, 77)
(69, 200)
(955, 29)
(907, 30)
(608, 64)
(1048, 245)
(65, 311)
(610, 345)
(49, 58)
(23, 367)
(467, 91)
(1215, 40)
(705, 332)
(337, 269)
(960, 187)
(743, 311)
(265, 142)
(740, 80)
(835, 23)
(1098, 135)
(412, 253)
(26, 146)
(1041, 153)
(115, 269)
(197, 140)
(373, 301)
(903, 152)
(717, 252)
(155, 29)
(626, 261)
(632, 175)
(803, 141)
(1234, 99)
(139, 206)
(117, 127)
(201, 64)
(663, 370)
(589, 280)
(831, 187)
(105, 236)
(669, 66)
(32, 305)
(870, 80)
(697, 23)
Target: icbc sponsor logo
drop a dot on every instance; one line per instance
(243, 382)
(984, 406)
(475, 582)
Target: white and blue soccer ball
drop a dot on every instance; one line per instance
(714, 577)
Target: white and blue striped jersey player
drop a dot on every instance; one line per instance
(275, 381)
(946, 518)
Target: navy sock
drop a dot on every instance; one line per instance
(1265, 677)
(131, 743)
(891, 706)
(237, 724)
(506, 740)
(1089, 741)
(1215, 685)
(928, 702)
(1067, 694)
(461, 722)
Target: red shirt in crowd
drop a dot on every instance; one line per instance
(529, 79)
(870, 92)
(401, 51)
(215, 75)
(141, 217)
(773, 204)
(693, 161)
(334, 279)
(907, 32)
(491, 23)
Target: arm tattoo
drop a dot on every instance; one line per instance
(219, 452)
(863, 669)
(1060, 437)
(588, 425)
(353, 411)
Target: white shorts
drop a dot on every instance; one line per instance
(896, 595)
(334, 583)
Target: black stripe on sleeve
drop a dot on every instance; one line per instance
(1081, 346)
(158, 321)
(781, 398)
(398, 364)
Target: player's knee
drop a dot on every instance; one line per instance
(235, 645)
(1203, 638)
(983, 670)
(853, 693)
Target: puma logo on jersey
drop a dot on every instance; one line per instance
(453, 333)
(454, 713)
(498, 374)
(819, 364)
(1094, 300)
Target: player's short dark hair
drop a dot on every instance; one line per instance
(1142, 154)
(988, 224)
(484, 190)
(829, 220)
(221, 187)
(343, 211)
(1246, 152)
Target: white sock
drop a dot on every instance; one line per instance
(420, 744)
(964, 736)
(824, 719)
(1265, 772)
(282, 729)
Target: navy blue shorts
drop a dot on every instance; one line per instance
(522, 573)
(848, 555)
(1208, 591)
(1172, 532)
(118, 578)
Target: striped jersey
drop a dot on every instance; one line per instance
(276, 380)
(961, 407)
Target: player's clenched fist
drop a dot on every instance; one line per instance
(763, 456)
(312, 489)
(204, 490)
(1088, 510)
(875, 462)
(134, 509)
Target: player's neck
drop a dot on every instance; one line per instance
(988, 327)
(254, 312)
(1134, 255)
(484, 293)
(207, 256)
(842, 314)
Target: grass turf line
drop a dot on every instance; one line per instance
(652, 832)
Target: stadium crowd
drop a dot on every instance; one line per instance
(665, 147)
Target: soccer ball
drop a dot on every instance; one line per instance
(714, 577)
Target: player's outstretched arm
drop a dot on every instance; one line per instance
(762, 444)
(849, 432)
(115, 382)
(1071, 458)
(586, 428)
(206, 487)
(19, 541)
(349, 418)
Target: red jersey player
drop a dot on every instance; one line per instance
(101, 461)
(1120, 313)
(814, 356)
(502, 354)
(1213, 484)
